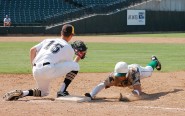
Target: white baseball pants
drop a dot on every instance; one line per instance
(43, 75)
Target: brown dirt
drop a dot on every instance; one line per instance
(165, 91)
(107, 39)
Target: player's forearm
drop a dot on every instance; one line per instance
(77, 59)
(32, 54)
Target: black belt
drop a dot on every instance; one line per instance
(46, 63)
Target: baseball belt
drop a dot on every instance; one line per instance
(46, 63)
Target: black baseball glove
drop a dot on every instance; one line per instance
(80, 48)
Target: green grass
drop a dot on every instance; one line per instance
(101, 57)
(14, 57)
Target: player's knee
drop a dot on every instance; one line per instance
(76, 67)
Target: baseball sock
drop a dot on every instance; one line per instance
(28, 93)
(65, 85)
(68, 79)
(32, 92)
(25, 93)
(153, 64)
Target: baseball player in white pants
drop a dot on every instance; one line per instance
(50, 59)
(127, 75)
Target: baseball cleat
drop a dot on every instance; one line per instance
(158, 67)
(88, 95)
(62, 94)
(13, 95)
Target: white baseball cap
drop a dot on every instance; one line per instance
(121, 69)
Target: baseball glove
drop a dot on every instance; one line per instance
(80, 48)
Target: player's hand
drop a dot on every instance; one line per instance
(80, 48)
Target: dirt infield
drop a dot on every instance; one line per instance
(165, 91)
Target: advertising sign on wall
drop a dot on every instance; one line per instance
(136, 17)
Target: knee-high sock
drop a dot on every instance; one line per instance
(97, 89)
(65, 84)
(68, 79)
(153, 64)
(25, 93)
(32, 92)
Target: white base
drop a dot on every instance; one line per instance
(73, 98)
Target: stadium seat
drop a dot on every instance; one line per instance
(23, 12)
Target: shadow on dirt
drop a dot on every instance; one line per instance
(37, 99)
(156, 96)
(105, 100)
(145, 96)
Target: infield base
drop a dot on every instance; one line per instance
(73, 98)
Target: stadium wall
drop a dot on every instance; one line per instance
(156, 21)
(117, 23)
(22, 30)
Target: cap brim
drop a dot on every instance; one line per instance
(120, 74)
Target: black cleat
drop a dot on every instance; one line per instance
(62, 94)
(88, 95)
(158, 67)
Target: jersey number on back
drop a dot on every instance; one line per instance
(55, 48)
